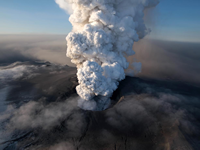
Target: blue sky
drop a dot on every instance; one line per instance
(177, 20)
(31, 16)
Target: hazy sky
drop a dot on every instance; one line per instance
(176, 20)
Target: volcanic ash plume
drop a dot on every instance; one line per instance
(103, 35)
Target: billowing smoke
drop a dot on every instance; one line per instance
(103, 35)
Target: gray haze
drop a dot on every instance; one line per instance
(50, 48)
(178, 61)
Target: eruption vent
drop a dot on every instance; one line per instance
(103, 35)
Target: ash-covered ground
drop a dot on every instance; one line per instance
(158, 110)
(42, 113)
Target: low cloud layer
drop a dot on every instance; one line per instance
(138, 118)
(150, 115)
(36, 114)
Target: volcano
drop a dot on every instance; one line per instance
(144, 113)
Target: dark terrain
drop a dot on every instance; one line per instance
(145, 114)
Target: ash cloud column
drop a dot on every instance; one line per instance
(103, 35)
